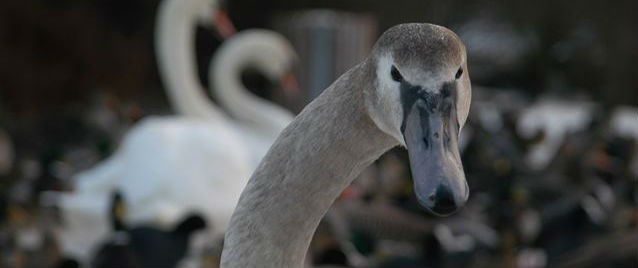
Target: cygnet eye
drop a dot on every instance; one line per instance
(396, 75)
(459, 73)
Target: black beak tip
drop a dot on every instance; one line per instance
(441, 202)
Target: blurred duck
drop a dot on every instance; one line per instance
(167, 166)
(144, 246)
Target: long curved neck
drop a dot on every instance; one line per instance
(174, 36)
(312, 161)
(233, 95)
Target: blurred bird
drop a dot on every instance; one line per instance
(144, 246)
(203, 147)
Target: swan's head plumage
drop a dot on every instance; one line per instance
(267, 51)
(205, 11)
(421, 97)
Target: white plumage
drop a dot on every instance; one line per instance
(166, 167)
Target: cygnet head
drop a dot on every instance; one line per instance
(421, 97)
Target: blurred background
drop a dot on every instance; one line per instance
(96, 126)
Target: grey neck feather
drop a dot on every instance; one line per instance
(327, 145)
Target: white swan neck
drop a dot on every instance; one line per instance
(312, 161)
(239, 52)
(174, 39)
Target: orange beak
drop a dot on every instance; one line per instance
(222, 23)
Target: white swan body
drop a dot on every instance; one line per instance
(167, 167)
(414, 90)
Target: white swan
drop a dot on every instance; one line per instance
(164, 165)
(413, 90)
(179, 159)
